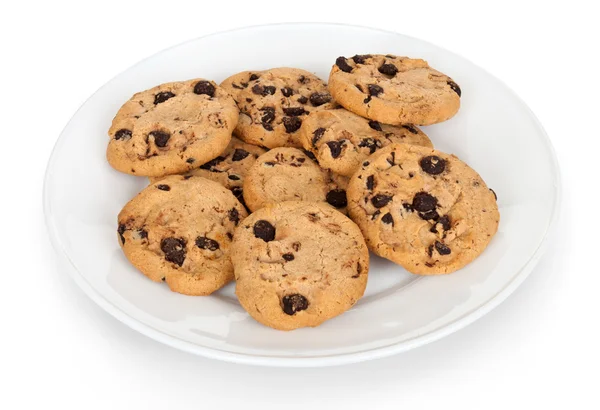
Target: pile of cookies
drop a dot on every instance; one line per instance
(283, 183)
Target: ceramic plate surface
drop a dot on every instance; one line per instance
(494, 132)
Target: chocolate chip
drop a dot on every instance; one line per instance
(343, 64)
(375, 215)
(263, 90)
(423, 202)
(432, 164)
(229, 235)
(267, 118)
(239, 87)
(160, 138)
(294, 303)
(317, 134)
(143, 234)
(190, 160)
(494, 192)
(234, 215)
(445, 222)
(360, 59)
(455, 87)
(442, 249)
(387, 219)
(302, 99)
(374, 90)
(430, 250)
(375, 125)
(204, 87)
(291, 124)
(239, 194)
(253, 77)
(234, 177)
(163, 187)
(337, 198)
(264, 230)
(335, 147)
(121, 231)
(388, 69)
(174, 249)
(359, 88)
(294, 111)
(407, 207)
(370, 143)
(287, 92)
(302, 79)
(212, 163)
(203, 242)
(288, 256)
(366, 163)
(381, 200)
(239, 154)
(310, 155)
(392, 159)
(370, 182)
(123, 134)
(318, 99)
(367, 100)
(429, 215)
(411, 129)
(162, 97)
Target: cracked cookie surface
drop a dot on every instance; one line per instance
(171, 128)
(230, 167)
(298, 264)
(342, 140)
(423, 209)
(394, 90)
(288, 174)
(179, 230)
(273, 104)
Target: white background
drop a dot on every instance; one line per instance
(538, 349)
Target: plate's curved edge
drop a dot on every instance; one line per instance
(346, 358)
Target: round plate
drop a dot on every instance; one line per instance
(494, 132)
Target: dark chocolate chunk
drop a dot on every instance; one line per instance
(370, 182)
(371, 143)
(388, 69)
(294, 111)
(288, 257)
(203, 242)
(204, 87)
(374, 90)
(455, 87)
(123, 134)
(143, 234)
(375, 125)
(163, 187)
(319, 98)
(287, 92)
(442, 248)
(317, 134)
(253, 77)
(174, 250)
(239, 154)
(162, 97)
(433, 164)
(335, 147)
(291, 124)
(387, 219)
(343, 65)
(160, 138)
(337, 198)
(302, 99)
(381, 200)
(412, 129)
(234, 177)
(423, 202)
(360, 58)
(294, 303)
(121, 230)
(234, 215)
(264, 230)
(212, 163)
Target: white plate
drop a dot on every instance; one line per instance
(494, 132)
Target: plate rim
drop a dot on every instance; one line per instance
(306, 361)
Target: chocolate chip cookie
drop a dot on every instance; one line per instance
(394, 90)
(230, 168)
(274, 102)
(423, 209)
(341, 140)
(298, 264)
(179, 231)
(288, 174)
(171, 128)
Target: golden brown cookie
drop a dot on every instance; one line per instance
(394, 90)
(171, 128)
(423, 209)
(341, 140)
(298, 264)
(288, 174)
(179, 230)
(274, 102)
